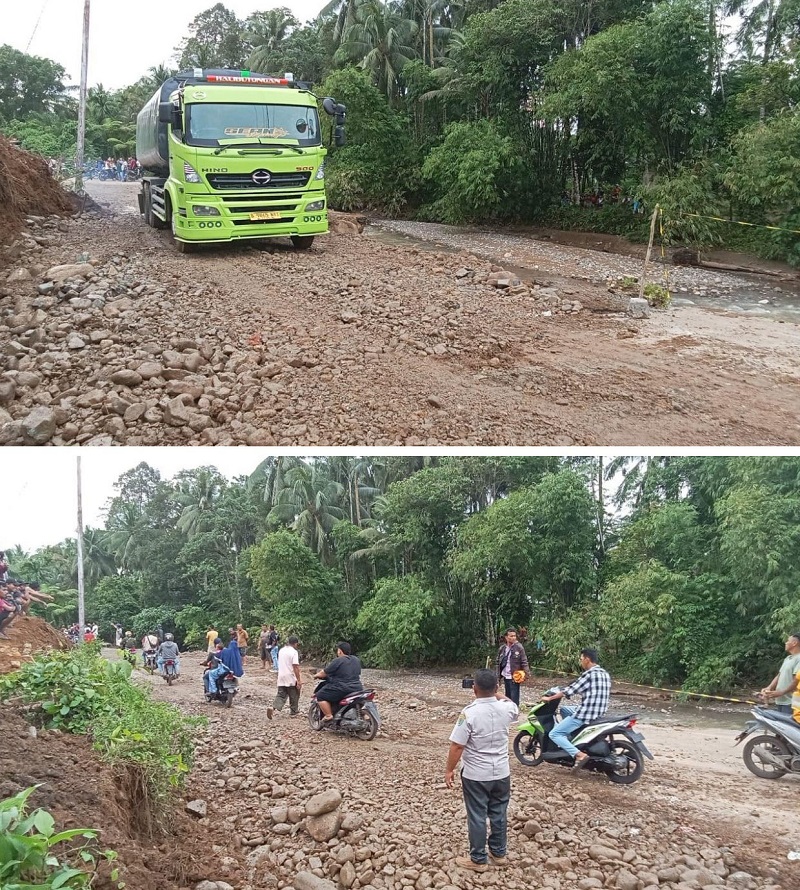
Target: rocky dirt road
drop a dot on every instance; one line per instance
(697, 819)
(356, 343)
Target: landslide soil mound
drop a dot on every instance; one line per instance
(27, 636)
(81, 791)
(27, 188)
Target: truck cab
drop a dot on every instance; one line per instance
(232, 155)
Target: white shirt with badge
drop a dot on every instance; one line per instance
(482, 728)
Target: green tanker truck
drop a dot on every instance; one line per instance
(232, 155)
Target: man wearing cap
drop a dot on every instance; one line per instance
(512, 665)
(480, 740)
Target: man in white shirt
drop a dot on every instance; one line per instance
(480, 740)
(289, 682)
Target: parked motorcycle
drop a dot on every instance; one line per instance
(356, 714)
(106, 174)
(170, 671)
(149, 657)
(613, 745)
(227, 688)
(775, 751)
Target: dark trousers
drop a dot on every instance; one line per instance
(486, 800)
(512, 690)
(783, 709)
(290, 692)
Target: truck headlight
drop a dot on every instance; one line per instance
(204, 210)
(315, 205)
(190, 174)
(321, 171)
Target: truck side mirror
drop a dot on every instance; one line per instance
(165, 112)
(329, 105)
(339, 137)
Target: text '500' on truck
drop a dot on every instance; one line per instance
(235, 155)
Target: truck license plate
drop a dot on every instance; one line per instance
(270, 214)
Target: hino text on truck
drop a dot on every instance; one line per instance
(234, 155)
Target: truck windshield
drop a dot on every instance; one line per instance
(207, 123)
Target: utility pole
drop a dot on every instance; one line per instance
(82, 99)
(81, 605)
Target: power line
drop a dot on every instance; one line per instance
(33, 34)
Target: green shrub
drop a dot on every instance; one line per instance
(657, 296)
(80, 692)
(29, 859)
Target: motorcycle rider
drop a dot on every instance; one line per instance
(149, 646)
(594, 687)
(168, 651)
(343, 676)
(129, 646)
(216, 667)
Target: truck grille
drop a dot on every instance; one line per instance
(244, 181)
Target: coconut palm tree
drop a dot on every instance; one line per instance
(198, 492)
(100, 103)
(266, 31)
(380, 40)
(98, 562)
(125, 534)
(309, 504)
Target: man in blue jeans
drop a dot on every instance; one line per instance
(594, 687)
(480, 740)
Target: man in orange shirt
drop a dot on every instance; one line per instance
(242, 638)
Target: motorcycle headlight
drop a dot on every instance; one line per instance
(315, 205)
(190, 174)
(320, 173)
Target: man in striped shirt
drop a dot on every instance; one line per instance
(594, 687)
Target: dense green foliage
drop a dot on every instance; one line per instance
(687, 576)
(511, 111)
(80, 692)
(34, 856)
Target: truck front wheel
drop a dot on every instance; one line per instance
(302, 242)
(183, 246)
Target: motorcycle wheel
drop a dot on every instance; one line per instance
(371, 730)
(634, 766)
(228, 699)
(528, 748)
(315, 716)
(772, 745)
(170, 678)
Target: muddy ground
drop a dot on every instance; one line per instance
(360, 342)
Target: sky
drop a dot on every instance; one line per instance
(42, 484)
(125, 40)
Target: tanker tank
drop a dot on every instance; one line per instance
(152, 137)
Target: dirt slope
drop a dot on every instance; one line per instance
(26, 188)
(27, 636)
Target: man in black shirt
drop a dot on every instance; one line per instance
(343, 676)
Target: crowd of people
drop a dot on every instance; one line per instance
(16, 597)
(119, 169)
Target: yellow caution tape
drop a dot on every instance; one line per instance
(738, 701)
(738, 222)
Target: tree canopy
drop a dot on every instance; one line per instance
(679, 569)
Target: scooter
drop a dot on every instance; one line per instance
(356, 714)
(775, 751)
(170, 671)
(227, 688)
(149, 657)
(613, 745)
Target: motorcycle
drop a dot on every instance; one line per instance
(106, 174)
(170, 671)
(356, 714)
(130, 656)
(613, 745)
(149, 658)
(775, 751)
(227, 688)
